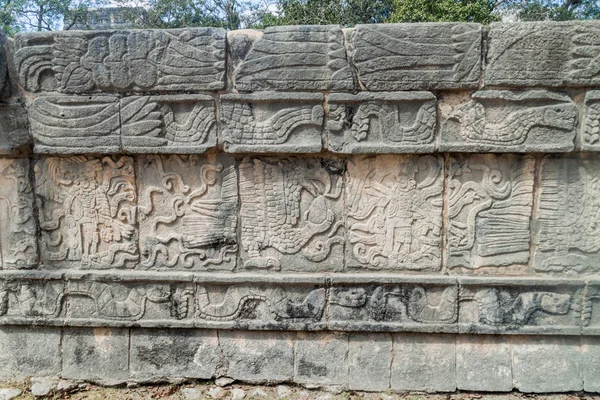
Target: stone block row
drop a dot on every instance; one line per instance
(357, 361)
(498, 214)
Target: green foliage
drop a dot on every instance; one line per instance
(541, 10)
(482, 11)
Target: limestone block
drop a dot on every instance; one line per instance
(524, 306)
(14, 134)
(87, 212)
(566, 216)
(27, 351)
(424, 363)
(289, 58)
(483, 363)
(187, 212)
(369, 359)
(3, 65)
(321, 359)
(547, 364)
(272, 122)
(490, 199)
(96, 354)
(35, 300)
(18, 243)
(590, 349)
(417, 56)
(179, 124)
(168, 353)
(122, 61)
(543, 54)
(505, 121)
(291, 214)
(381, 122)
(75, 124)
(394, 212)
(259, 357)
(591, 121)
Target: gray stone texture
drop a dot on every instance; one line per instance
(14, 133)
(590, 349)
(483, 363)
(369, 360)
(3, 66)
(29, 351)
(591, 121)
(321, 359)
(422, 56)
(542, 54)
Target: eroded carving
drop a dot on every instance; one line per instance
(591, 121)
(39, 298)
(87, 211)
(490, 199)
(14, 132)
(381, 122)
(512, 121)
(188, 212)
(394, 212)
(291, 213)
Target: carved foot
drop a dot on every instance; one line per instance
(263, 263)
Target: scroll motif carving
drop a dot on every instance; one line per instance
(381, 122)
(291, 213)
(394, 212)
(74, 62)
(490, 199)
(188, 212)
(591, 121)
(31, 298)
(87, 212)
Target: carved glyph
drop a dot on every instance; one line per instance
(381, 122)
(187, 212)
(591, 121)
(394, 212)
(291, 214)
(511, 121)
(87, 209)
(490, 198)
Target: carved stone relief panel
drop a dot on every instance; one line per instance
(75, 124)
(87, 211)
(187, 212)
(490, 199)
(24, 298)
(112, 61)
(591, 121)
(272, 122)
(290, 58)
(394, 212)
(381, 122)
(568, 215)
(505, 121)
(14, 132)
(417, 56)
(18, 243)
(543, 54)
(590, 313)
(168, 124)
(291, 214)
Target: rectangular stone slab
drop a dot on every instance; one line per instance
(381, 122)
(14, 132)
(272, 122)
(419, 56)
(511, 121)
(122, 61)
(551, 54)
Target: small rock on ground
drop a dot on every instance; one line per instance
(40, 389)
(223, 381)
(283, 391)
(8, 393)
(237, 394)
(191, 393)
(66, 386)
(258, 393)
(217, 393)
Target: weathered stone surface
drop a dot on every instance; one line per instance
(369, 360)
(394, 212)
(290, 58)
(566, 217)
(18, 245)
(543, 54)
(178, 124)
(41, 388)
(483, 363)
(259, 357)
(291, 214)
(14, 134)
(122, 61)
(559, 358)
(417, 56)
(424, 363)
(87, 211)
(188, 212)
(490, 199)
(381, 122)
(591, 121)
(3, 65)
(9, 394)
(272, 122)
(29, 351)
(32, 299)
(96, 354)
(505, 121)
(321, 359)
(185, 353)
(590, 350)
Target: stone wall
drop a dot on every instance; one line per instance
(409, 206)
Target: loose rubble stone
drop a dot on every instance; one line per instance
(224, 381)
(217, 393)
(9, 394)
(41, 389)
(191, 393)
(258, 393)
(237, 394)
(66, 386)
(283, 392)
